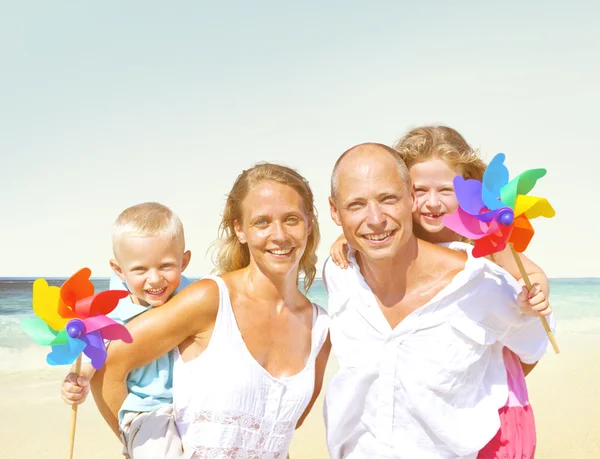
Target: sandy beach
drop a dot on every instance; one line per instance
(563, 390)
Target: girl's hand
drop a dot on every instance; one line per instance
(534, 302)
(339, 252)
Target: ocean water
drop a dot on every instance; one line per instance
(576, 303)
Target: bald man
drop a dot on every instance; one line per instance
(418, 329)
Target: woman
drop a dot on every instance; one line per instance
(251, 349)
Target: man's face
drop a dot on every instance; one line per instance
(373, 205)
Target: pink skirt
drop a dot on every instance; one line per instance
(516, 438)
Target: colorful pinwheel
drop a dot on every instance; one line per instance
(496, 213)
(72, 319)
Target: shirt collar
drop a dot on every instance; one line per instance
(473, 268)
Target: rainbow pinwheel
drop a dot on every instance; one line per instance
(497, 211)
(72, 319)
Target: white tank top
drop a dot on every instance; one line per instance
(228, 406)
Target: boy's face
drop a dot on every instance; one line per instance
(151, 266)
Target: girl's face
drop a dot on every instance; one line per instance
(434, 191)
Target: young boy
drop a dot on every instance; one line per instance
(149, 257)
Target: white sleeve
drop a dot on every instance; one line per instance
(527, 339)
(522, 334)
(329, 275)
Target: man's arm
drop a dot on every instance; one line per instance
(538, 296)
(155, 332)
(522, 333)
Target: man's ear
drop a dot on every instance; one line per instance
(185, 261)
(239, 232)
(413, 196)
(335, 216)
(114, 265)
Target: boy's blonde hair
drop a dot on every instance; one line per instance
(427, 142)
(232, 254)
(148, 219)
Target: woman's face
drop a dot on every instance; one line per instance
(434, 191)
(275, 227)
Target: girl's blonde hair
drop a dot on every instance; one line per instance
(232, 254)
(427, 142)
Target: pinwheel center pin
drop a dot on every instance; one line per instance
(75, 328)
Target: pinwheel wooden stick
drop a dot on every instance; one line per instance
(495, 213)
(74, 413)
(72, 319)
(528, 285)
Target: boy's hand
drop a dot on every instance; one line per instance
(534, 302)
(75, 389)
(339, 252)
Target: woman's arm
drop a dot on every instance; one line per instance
(320, 365)
(155, 332)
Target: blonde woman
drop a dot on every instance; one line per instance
(250, 348)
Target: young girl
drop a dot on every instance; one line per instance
(434, 156)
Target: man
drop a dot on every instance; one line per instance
(417, 329)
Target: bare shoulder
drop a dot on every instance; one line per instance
(203, 293)
(235, 281)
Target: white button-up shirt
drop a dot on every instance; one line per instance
(432, 386)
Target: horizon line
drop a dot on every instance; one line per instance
(32, 278)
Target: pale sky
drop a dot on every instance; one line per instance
(108, 104)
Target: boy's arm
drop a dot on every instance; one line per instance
(75, 388)
(155, 332)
